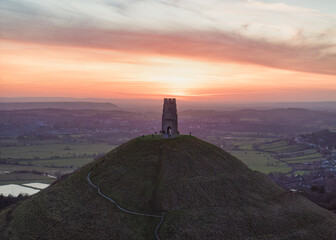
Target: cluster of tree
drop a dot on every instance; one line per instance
(318, 195)
(30, 171)
(5, 201)
(323, 138)
(322, 190)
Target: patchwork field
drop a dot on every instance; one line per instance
(281, 147)
(36, 152)
(269, 154)
(262, 162)
(292, 153)
(264, 153)
(27, 162)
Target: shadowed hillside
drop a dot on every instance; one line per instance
(205, 192)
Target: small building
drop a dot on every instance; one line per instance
(169, 117)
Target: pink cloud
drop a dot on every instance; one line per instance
(202, 45)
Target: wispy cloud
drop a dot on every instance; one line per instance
(177, 28)
(282, 7)
(206, 46)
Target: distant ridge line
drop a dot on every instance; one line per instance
(66, 105)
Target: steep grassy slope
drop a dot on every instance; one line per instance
(206, 193)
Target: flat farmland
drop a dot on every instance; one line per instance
(21, 178)
(63, 162)
(281, 147)
(292, 153)
(52, 150)
(262, 162)
(25, 161)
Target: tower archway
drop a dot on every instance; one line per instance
(169, 130)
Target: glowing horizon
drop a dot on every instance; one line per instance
(230, 51)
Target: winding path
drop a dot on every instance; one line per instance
(156, 232)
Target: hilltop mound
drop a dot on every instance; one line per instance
(205, 192)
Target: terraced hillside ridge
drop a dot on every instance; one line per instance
(205, 192)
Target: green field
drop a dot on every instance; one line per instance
(52, 151)
(54, 159)
(281, 147)
(268, 154)
(63, 162)
(240, 144)
(53, 155)
(21, 178)
(306, 158)
(261, 162)
(292, 153)
(12, 168)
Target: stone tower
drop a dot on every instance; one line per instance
(169, 117)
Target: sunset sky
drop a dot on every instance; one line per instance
(213, 50)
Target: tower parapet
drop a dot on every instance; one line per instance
(169, 117)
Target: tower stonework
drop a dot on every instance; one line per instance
(169, 117)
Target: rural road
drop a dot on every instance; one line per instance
(156, 232)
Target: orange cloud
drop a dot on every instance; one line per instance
(201, 45)
(49, 70)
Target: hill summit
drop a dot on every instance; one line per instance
(202, 191)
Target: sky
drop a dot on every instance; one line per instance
(209, 50)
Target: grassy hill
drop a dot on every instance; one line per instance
(205, 192)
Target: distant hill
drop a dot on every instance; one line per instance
(205, 192)
(280, 115)
(57, 105)
(144, 105)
